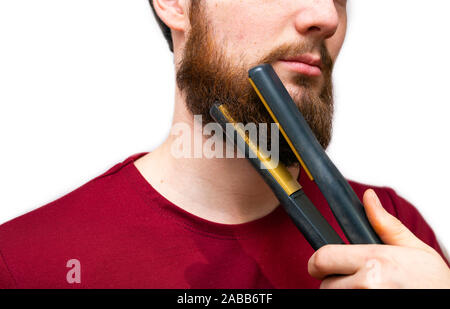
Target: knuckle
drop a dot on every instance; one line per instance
(375, 252)
(320, 258)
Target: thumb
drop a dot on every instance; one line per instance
(389, 228)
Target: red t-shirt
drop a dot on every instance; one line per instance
(124, 234)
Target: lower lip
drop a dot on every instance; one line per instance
(303, 68)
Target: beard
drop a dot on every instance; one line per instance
(206, 75)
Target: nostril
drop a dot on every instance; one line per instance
(313, 28)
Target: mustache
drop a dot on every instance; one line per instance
(288, 50)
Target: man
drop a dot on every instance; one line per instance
(158, 220)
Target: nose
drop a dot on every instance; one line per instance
(318, 19)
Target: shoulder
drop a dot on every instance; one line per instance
(90, 198)
(80, 218)
(77, 204)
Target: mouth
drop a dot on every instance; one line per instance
(306, 64)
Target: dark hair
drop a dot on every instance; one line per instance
(165, 30)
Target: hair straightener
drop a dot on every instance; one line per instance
(345, 205)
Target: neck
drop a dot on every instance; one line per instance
(222, 190)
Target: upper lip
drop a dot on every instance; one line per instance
(307, 59)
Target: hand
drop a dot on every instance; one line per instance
(403, 262)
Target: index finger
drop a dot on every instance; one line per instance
(338, 260)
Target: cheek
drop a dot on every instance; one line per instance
(242, 26)
(334, 44)
(240, 31)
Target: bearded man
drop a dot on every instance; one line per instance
(157, 220)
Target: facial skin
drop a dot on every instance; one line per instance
(214, 64)
(252, 29)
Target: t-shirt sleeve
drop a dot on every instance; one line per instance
(412, 219)
(6, 279)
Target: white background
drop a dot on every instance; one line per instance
(84, 84)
